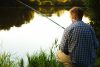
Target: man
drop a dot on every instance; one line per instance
(79, 42)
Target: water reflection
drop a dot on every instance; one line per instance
(38, 33)
(11, 16)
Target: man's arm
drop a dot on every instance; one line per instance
(64, 41)
(96, 42)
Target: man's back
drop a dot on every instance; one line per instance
(82, 43)
(79, 40)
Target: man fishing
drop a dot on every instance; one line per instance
(79, 43)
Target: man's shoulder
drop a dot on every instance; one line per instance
(78, 25)
(70, 27)
(81, 24)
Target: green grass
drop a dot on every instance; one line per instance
(40, 59)
(7, 61)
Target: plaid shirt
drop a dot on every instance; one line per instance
(80, 42)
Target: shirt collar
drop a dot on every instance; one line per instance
(76, 21)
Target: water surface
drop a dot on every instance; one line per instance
(24, 31)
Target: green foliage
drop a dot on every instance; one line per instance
(46, 2)
(75, 3)
(43, 59)
(38, 60)
(21, 63)
(97, 64)
(5, 60)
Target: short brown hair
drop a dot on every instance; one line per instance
(76, 13)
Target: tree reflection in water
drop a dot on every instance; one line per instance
(10, 17)
(16, 16)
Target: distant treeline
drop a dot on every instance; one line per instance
(14, 3)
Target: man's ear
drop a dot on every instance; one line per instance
(74, 16)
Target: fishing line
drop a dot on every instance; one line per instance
(39, 13)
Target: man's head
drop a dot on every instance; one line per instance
(76, 13)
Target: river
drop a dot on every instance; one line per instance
(24, 31)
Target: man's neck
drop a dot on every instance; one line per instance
(73, 20)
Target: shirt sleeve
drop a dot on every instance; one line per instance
(96, 42)
(64, 41)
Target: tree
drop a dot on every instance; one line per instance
(10, 17)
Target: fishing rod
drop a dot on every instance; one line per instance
(39, 13)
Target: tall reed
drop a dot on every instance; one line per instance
(39, 59)
(42, 59)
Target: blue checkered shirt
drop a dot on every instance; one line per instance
(79, 40)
